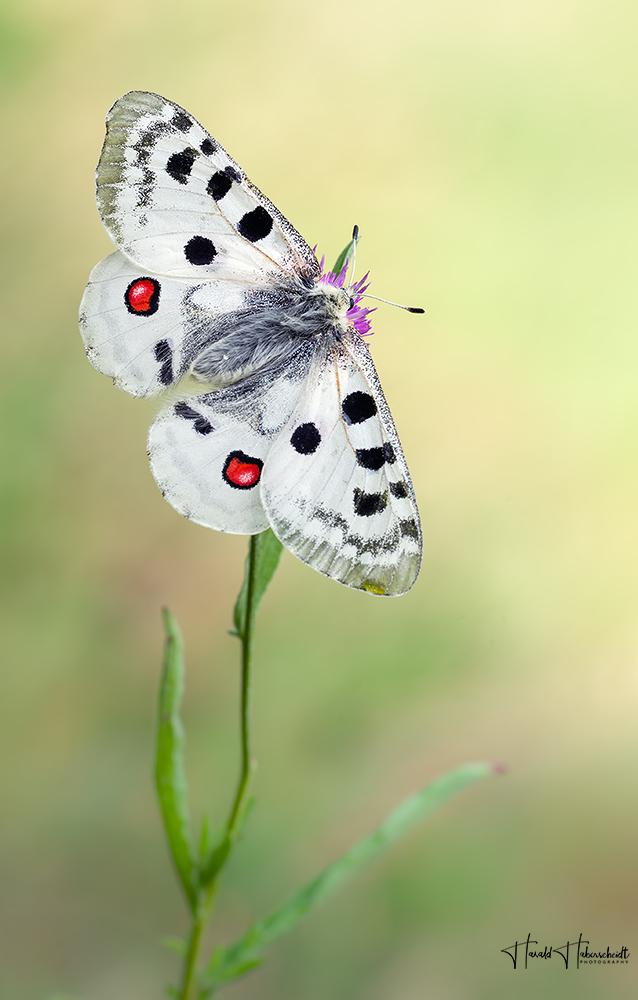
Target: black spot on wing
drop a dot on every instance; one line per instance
(164, 355)
(186, 411)
(409, 528)
(219, 185)
(203, 426)
(200, 423)
(399, 490)
(388, 451)
(181, 121)
(357, 407)
(200, 250)
(370, 458)
(179, 165)
(163, 350)
(255, 225)
(208, 147)
(306, 439)
(367, 504)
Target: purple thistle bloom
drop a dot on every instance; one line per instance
(357, 315)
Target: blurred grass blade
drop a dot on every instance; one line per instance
(246, 949)
(170, 778)
(268, 548)
(174, 944)
(343, 257)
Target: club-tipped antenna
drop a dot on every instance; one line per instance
(355, 237)
(410, 309)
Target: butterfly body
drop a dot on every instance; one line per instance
(273, 415)
(255, 339)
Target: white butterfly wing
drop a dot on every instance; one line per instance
(143, 331)
(208, 453)
(336, 487)
(178, 205)
(209, 469)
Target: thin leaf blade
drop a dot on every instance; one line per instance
(411, 811)
(216, 861)
(268, 554)
(344, 256)
(170, 776)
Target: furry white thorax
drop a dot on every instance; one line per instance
(336, 302)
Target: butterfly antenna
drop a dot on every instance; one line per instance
(355, 237)
(410, 309)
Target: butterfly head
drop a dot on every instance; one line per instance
(352, 314)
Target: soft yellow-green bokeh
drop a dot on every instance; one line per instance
(489, 153)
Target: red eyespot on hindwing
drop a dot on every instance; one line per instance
(142, 296)
(241, 471)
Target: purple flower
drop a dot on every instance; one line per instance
(357, 315)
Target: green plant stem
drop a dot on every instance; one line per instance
(246, 636)
(200, 919)
(206, 896)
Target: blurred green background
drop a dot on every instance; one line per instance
(489, 153)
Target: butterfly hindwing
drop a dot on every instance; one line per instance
(209, 468)
(144, 330)
(336, 486)
(208, 453)
(176, 203)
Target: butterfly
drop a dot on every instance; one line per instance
(272, 412)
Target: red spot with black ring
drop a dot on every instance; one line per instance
(142, 296)
(241, 471)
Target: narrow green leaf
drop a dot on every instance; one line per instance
(216, 856)
(245, 815)
(170, 778)
(230, 973)
(206, 839)
(410, 812)
(240, 970)
(174, 944)
(345, 254)
(216, 861)
(268, 554)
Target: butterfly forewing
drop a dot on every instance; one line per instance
(173, 200)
